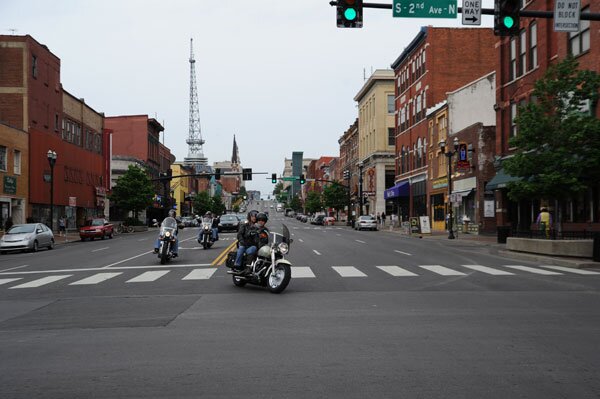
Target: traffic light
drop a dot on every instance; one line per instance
(506, 17)
(302, 179)
(346, 174)
(274, 178)
(217, 173)
(349, 13)
(247, 174)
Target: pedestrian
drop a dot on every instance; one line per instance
(378, 218)
(383, 219)
(544, 221)
(62, 228)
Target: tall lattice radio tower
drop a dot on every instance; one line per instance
(195, 154)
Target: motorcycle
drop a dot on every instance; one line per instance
(205, 238)
(168, 238)
(270, 268)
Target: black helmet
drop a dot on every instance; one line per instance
(252, 213)
(263, 217)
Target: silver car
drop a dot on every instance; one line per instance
(366, 222)
(30, 236)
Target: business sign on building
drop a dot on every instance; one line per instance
(72, 201)
(10, 185)
(463, 163)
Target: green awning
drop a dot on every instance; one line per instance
(500, 180)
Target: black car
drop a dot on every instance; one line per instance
(229, 223)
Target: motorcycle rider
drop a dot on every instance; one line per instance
(246, 237)
(214, 226)
(175, 248)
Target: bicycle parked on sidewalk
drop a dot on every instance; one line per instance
(123, 228)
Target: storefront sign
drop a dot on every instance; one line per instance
(439, 183)
(72, 201)
(10, 185)
(488, 208)
(425, 226)
(414, 226)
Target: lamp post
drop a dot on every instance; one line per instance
(51, 155)
(360, 188)
(449, 155)
(347, 176)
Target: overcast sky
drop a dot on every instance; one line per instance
(278, 74)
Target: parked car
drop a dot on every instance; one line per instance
(189, 221)
(366, 222)
(30, 236)
(328, 221)
(229, 223)
(318, 219)
(96, 228)
(304, 218)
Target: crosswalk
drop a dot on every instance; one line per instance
(100, 276)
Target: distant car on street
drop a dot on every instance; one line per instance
(189, 221)
(96, 228)
(30, 236)
(366, 222)
(229, 222)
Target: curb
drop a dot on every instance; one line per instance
(556, 261)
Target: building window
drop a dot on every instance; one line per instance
(56, 123)
(533, 60)
(391, 104)
(34, 66)
(419, 153)
(522, 52)
(579, 42)
(391, 136)
(418, 108)
(512, 72)
(17, 162)
(513, 116)
(3, 160)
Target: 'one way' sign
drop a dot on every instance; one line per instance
(471, 12)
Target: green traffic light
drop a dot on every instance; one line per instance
(350, 14)
(509, 21)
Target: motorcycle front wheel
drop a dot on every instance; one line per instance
(279, 278)
(164, 255)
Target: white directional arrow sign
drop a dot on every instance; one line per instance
(471, 12)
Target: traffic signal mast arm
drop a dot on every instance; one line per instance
(204, 175)
(590, 16)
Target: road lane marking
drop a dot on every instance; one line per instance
(148, 276)
(317, 252)
(125, 260)
(200, 274)
(100, 249)
(570, 270)
(348, 271)
(8, 280)
(302, 272)
(339, 235)
(444, 271)
(96, 278)
(13, 268)
(360, 241)
(403, 253)
(533, 270)
(396, 271)
(92, 269)
(300, 239)
(489, 270)
(41, 281)
(143, 239)
(219, 259)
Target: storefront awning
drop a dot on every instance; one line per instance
(463, 193)
(401, 189)
(501, 180)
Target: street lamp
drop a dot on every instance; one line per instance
(449, 155)
(360, 187)
(348, 176)
(51, 155)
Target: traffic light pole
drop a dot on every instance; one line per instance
(587, 16)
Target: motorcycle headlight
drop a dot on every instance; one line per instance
(283, 248)
(206, 228)
(167, 234)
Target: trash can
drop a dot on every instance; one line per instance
(503, 234)
(596, 255)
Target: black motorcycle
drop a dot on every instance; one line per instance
(270, 268)
(205, 236)
(168, 238)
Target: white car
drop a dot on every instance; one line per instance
(30, 236)
(366, 222)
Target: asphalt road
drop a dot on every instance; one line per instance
(367, 314)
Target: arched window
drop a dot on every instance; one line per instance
(419, 153)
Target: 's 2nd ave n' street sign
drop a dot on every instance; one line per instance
(425, 8)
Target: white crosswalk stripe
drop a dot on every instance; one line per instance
(489, 270)
(8, 280)
(148, 276)
(444, 271)
(533, 270)
(396, 271)
(41, 281)
(200, 274)
(348, 271)
(96, 278)
(571, 270)
(302, 272)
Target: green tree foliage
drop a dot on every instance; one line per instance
(558, 145)
(295, 204)
(335, 196)
(243, 192)
(218, 207)
(313, 202)
(278, 188)
(133, 191)
(202, 203)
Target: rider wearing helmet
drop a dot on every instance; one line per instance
(263, 232)
(247, 240)
(172, 214)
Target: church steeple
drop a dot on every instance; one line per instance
(235, 157)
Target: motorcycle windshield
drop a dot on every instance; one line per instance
(168, 224)
(279, 238)
(286, 235)
(206, 222)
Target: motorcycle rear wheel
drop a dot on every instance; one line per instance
(280, 278)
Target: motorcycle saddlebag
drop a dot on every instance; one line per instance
(230, 260)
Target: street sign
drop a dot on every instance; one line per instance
(566, 15)
(292, 178)
(425, 8)
(471, 12)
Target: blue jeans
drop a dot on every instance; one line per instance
(174, 249)
(215, 233)
(240, 253)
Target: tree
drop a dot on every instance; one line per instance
(278, 188)
(133, 191)
(335, 196)
(202, 203)
(243, 192)
(558, 145)
(313, 202)
(218, 207)
(295, 204)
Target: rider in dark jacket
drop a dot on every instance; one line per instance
(247, 239)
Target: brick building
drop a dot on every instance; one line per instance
(349, 159)
(14, 174)
(520, 61)
(437, 61)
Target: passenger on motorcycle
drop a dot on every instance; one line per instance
(214, 226)
(172, 214)
(248, 238)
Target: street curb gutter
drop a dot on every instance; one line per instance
(556, 261)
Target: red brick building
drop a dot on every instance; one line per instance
(437, 61)
(520, 61)
(349, 159)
